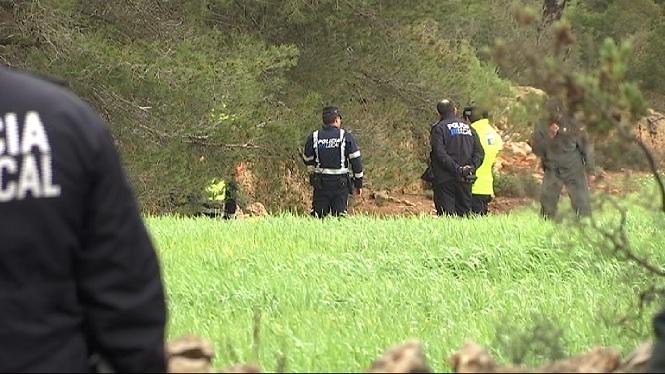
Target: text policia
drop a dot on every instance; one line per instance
(26, 167)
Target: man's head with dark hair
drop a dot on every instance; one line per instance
(330, 114)
(445, 106)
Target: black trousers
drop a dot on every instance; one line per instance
(331, 194)
(480, 204)
(577, 187)
(330, 201)
(452, 198)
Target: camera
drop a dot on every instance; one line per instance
(468, 174)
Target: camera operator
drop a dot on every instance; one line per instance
(482, 192)
(456, 154)
(567, 157)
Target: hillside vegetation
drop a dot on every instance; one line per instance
(193, 88)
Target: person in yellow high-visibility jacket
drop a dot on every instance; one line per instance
(483, 188)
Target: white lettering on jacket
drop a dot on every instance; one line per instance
(459, 128)
(328, 143)
(26, 165)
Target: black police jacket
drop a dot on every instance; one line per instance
(331, 150)
(78, 272)
(657, 361)
(454, 144)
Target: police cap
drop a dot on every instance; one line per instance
(330, 113)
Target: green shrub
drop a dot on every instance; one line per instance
(522, 184)
(617, 154)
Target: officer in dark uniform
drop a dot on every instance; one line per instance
(456, 154)
(79, 277)
(331, 151)
(657, 361)
(567, 160)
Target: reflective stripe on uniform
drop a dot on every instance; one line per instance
(355, 154)
(331, 171)
(315, 137)
(342, 160)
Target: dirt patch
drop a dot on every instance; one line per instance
(516, 158)
(399, 202)
(410, 204)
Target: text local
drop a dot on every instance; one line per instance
(24, 152)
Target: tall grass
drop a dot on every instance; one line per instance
(332, 295)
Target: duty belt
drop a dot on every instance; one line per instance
(339, 182)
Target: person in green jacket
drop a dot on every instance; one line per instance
(567, 159)
(483, 188)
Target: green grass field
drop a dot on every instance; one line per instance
(332, 295)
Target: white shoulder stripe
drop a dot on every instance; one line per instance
(355, 154)
(342, 150)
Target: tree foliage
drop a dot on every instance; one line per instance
(608, 103)
(191, 89)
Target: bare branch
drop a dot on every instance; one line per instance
(203, 140)
(607, 115)
(621, 245)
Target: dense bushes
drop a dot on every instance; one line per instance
(522, 184)
(191, 89)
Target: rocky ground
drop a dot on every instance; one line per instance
(195, 354)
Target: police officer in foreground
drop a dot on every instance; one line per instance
(657, 360)
(331, 151)
(567, 160)
(456, 154)
(80, 281)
